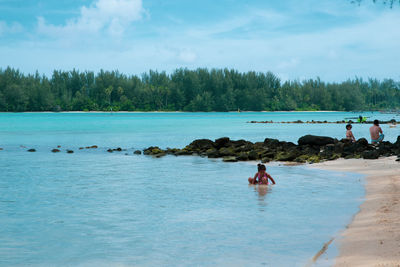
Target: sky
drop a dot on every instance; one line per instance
(333, 40)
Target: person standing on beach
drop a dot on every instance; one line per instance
(349, 133)
(376, 133)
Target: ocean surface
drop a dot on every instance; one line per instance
(94, 208)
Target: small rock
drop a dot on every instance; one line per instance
(372, 154)
(58, 146)
(70, 151)
(137, 152)
(55, 150)
(109, 150)
(81, 148)
(1, 148)
(230, 159)
(32, 150)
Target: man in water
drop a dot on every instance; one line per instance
(376, 133)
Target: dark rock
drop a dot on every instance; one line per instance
(310, 150)
(109, 150)
(55, 150)
(222, 142)
(81, 148)
(302, 159)
(339, 147)
(242, 143)
(362, 142)
(315, 140)
(58, 146)
(32, 150)
(242, 156)
(70, 151)
(212, 153)
(202, 144)
(397, 143)
(253, 155)
(226, 151)
(271, 143)
(94, 147)
(137, 152)
(1, 148)
(118, 149)
(286, 156)
(183, 152)
(372, 154)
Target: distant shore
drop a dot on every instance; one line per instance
(373, 237)
(121, 111)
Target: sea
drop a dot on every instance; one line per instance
(95, 208)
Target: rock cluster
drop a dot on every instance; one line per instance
(88, 147)
(392, 121)
(118, 149)
(309, 149)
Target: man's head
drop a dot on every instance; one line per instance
(376, 122)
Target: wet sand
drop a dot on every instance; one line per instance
(373, 237)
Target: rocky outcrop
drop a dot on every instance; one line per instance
(314, 140)
(392, 121)
(309, 149)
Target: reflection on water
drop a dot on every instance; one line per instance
(261, 191)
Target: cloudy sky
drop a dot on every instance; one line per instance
(334, 40)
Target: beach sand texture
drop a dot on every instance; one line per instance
(373, 237)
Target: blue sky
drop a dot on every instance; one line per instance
(334, 40)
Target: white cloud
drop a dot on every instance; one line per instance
(13, 28)
(112, 16)
(187, 56)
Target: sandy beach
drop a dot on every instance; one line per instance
(373, 237)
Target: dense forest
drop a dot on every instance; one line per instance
(188, 90)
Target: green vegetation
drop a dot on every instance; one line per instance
(188, 90)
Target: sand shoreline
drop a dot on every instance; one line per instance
(373, 237)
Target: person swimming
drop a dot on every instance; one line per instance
(261, 177)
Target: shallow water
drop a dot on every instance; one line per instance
(94, 208)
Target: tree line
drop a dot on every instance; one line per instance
(188, 90)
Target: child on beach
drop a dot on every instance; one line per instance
(349, 133)
(261, 177)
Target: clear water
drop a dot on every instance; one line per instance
(94, 208)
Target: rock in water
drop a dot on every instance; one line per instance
(230, 159)
(315, 140)
(70, 151)
(137, 152)
(202, 144)
(55, 150)
(32, 150)
(221, 142)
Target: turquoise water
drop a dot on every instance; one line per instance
(94, 208)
